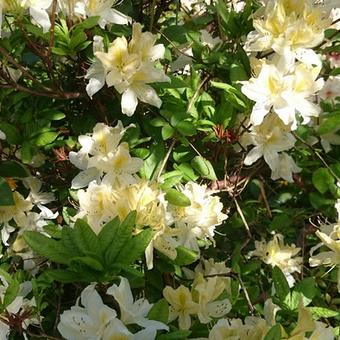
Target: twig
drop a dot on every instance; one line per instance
(165, 159)
(239, 210)
(250, 305)
(153, 10)
(194, 97)
(264, 197)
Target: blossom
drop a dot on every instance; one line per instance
(284, 168)
(276, 253)
(289, 28)
(197, 221)
(102, 9)
(286, 90)
(181, 305)
(103, 153)
(331, 89)
(206, 292)
(129, 67)
(133, 312)
(39, 12)
(268, 138)
(330, 258)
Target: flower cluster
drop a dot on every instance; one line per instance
(94, 319)
(285, 84)
(114, 189)
(129, 67)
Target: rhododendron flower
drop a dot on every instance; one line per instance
(285, 91)
(102, 153)
(269, 138)
(285, 168)
(276, 253)
(290, 28)
(133, 312)
(197, 221)
(331, 89)
(181, 305)
(39, 12)
(102, 9)
(129, 67)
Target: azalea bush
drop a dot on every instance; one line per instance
(169, 169)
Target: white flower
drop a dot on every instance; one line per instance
(38, 11)
(334, 59)
(88, 321)
(2, 135)
(102, 153)
(284, 168)
(285, 91)
(276, 253)
(129, 67)
(197, 221)
(102, 9)
(133, 312)
(289, 28)
(331, 89)
(269, 138)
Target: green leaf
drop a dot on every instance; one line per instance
(47, 247)
(85, 239)
(46, 138)
(274, 333)
(307, 287)
(13, 169)
(135, 247)
(186, 128)
(185, 256)
(13, 135)
(175, 197)
(330, 123)
(167, 131)
(122, 234)
(10, 294)
(322, 180)
(108, 234)
(6, 196)
(62, 275)
(321, 312)
(204, 167)
(159, 311)
(280, 283)
(88, 262)
(176, 335)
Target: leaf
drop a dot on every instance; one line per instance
(13, 135)
(88, 262)
(185, 256)
(274, 333)
(46, 138)
(280, 283)
(177, 198)
(307, 287)
(62, 275)
(321, 312)
(322, 180)
(329, 124)
(108, 234)
(11, 293)
(176, 335)
(122, 234)
(86, 239)
(204, 167)
(135, 247)
(159, 311)
(167, 131)
(13, 169)
(47, 247)
(6, 196)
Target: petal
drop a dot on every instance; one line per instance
(147, 95)
(84, 178)
(253, 155)
(217, 309)
(129, 102)
(308, 56)
(115, 17)
(41, 17)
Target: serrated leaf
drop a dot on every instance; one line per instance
(86, 239)
(108, 234)
(135, 247)
(123, 233)
(47, 247)
(88, 262)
